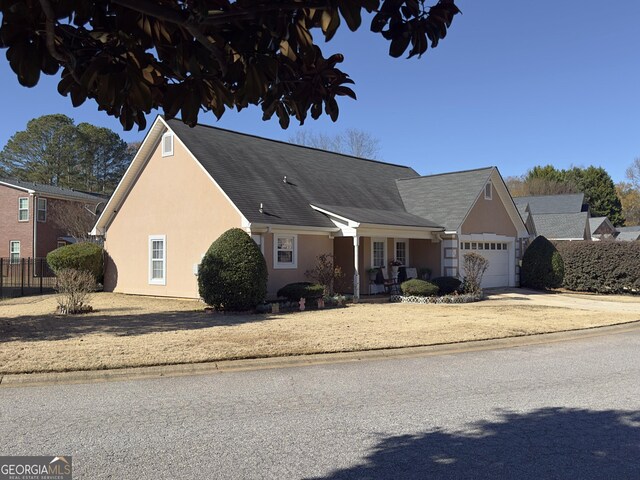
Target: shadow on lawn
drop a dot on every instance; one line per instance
(547, 443)
(54, 327)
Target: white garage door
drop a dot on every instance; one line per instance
(497, 275)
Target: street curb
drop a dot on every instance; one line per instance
(185, 369)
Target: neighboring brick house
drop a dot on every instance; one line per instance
(27, 226)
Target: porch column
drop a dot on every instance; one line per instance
(356, 274)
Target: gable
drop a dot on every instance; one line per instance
(489, 216)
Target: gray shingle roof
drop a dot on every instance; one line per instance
(251, 170)
(595, 223)
(540, 204)
(629, 236)
(635, 228)
(381, 217)
(53, 190)
(561, 225)
(446, 198)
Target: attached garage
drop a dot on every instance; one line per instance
(500, 256)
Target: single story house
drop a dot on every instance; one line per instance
(30, 217)
(186, 186)
(556, 217)
(601, 228)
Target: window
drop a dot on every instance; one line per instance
(167, 144)
(42, 209)
(285, 254)
(487, 191)
(378, 254)
(402, 252)
(14, 251)
(23, 209)
(157, 260)
(61, 243)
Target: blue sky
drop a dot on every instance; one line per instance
(514, 84)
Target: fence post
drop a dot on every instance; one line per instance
(1, 276)
(29, 272)
(41, 274)
(22, 277)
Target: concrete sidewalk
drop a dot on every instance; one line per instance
(91, 376)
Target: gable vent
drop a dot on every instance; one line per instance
(167, 144)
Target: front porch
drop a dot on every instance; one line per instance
(357, 255)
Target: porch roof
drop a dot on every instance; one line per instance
(376, 216)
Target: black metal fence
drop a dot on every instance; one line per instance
(25, 276)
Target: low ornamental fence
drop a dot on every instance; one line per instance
(25, 276)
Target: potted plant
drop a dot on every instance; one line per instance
(373, 273)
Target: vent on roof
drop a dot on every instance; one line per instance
(167, 144)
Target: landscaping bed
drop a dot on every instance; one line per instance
(129, 331)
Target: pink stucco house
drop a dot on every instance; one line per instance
(186, 186)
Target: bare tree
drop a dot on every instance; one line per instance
(633, 173)
(523, 186)
(75, 219)
(351, 142)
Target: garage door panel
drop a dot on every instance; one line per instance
(497, 253)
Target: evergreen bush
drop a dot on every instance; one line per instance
(447, 285)
(78, 256)
(233, 273)
(293, 292)
(542, 265)
(601, 267)
(418, 288)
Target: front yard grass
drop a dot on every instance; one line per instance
(132, 331)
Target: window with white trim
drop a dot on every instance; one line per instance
(157, 260)
(23, 209)
(285, 251)
(42, 210)
(488, 191)
(378, 253)
(167, 144)
(14, 251)
(257, 238)
(402, 251)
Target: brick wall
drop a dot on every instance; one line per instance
(10, 228)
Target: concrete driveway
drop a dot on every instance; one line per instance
(578, 301)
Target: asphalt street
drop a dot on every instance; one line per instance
(566, 410)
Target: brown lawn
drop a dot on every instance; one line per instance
(127, 331)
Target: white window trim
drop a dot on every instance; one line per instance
(167, 153)
(284, 265)
(20, 209)
(406, 252)
(163, 280)
(38, 210)
(11, 252)
(490, 196)
(384, 258)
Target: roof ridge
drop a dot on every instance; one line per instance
(447, 173)
(294, 144)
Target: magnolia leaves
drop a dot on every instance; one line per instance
(132, 57)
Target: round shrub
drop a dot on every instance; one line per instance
(295, 291)
(542, 265)
(78, 256)
(447, 285)
(233, 273)
(418, 288)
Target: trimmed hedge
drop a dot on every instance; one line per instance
(233, 273)
(79, 256)
(447, 285)
(542, 265)
(295, 291)
(418, 288)
(601, 267)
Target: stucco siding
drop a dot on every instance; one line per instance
(173, 197)
(309, 247)
(489, 216)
